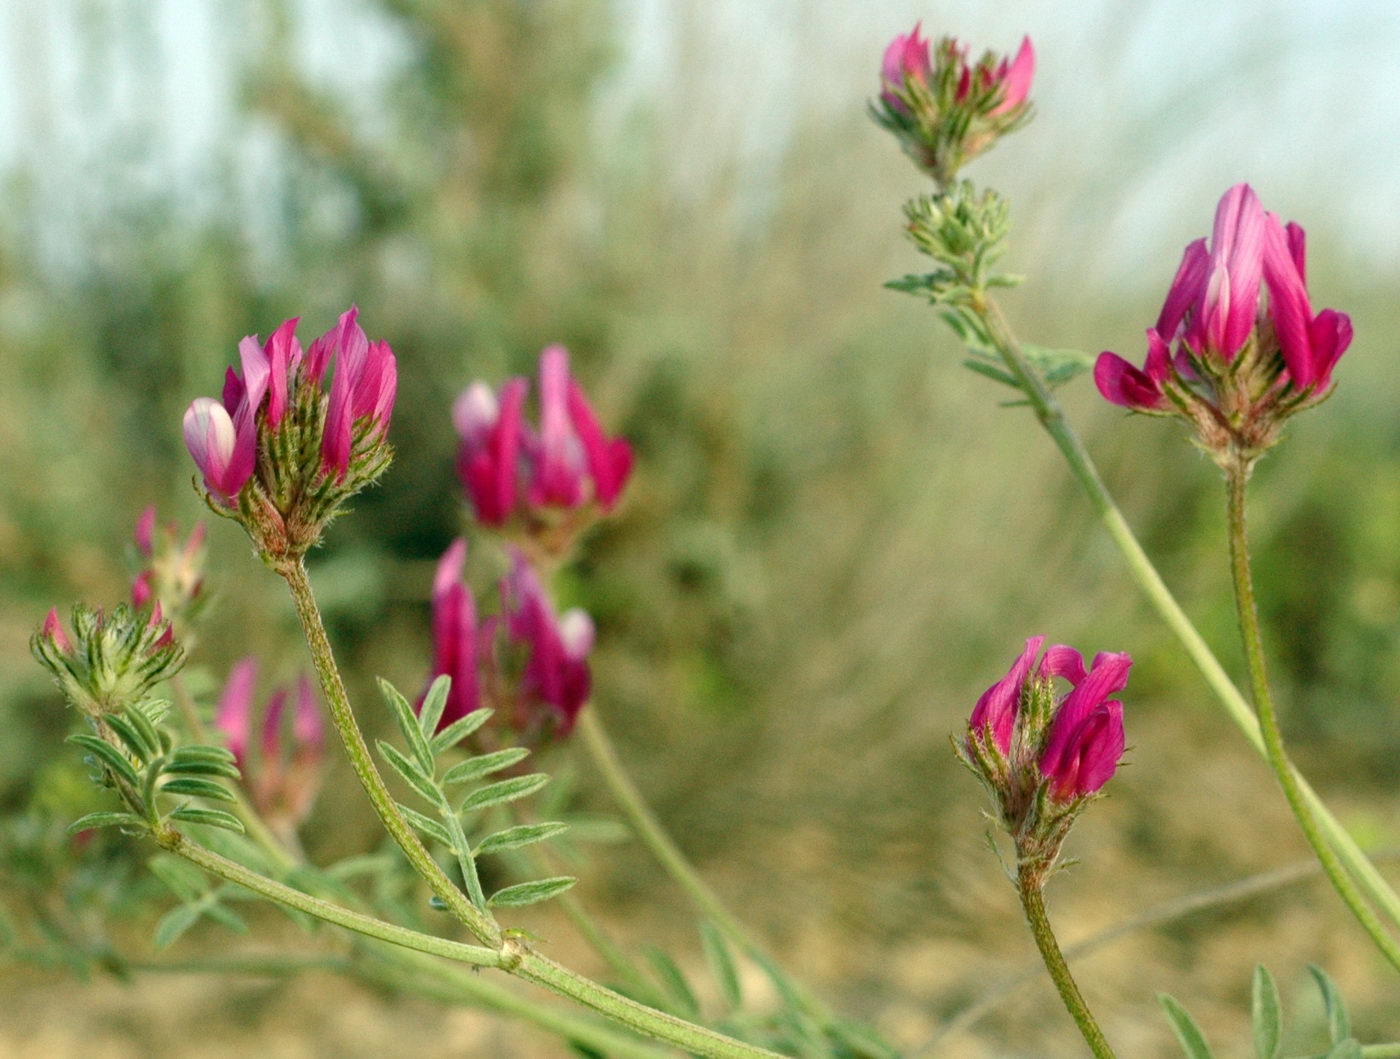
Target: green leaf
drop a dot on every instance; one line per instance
(529, 893)
(133, 737)
(995, 374)
(1347, 1049)
(408, 725)
(361, 864)
(721, 962)
(426, 825)
(198, 788)
(184, 880)
(1267, 1014)
(504, 791)
(597, 829)
(520, 835)
(108, 755)
(673, 981)
(1338, 1021)
(409, 771)
(476, 767)
(145, 725)
(1188, 1034)
(227, 917)
(203, 752)
(1058, 365)
(459, 729)
(203, 767)
(91, 820)
(433, 704)
(209, 818)
(174, 923)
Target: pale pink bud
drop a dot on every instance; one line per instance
(222, 456)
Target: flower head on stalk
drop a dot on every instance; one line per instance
(288, 776)
(546, 484)
(1044, 757)
(113, 659)
(526, 663)
(1236, 349)
(281, 454)
(171, 571)
(944, 110)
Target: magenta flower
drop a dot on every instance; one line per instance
(455, 641)
(234, 715)
(172, 572)
(282, 474)
(906, 57)
(1015, 76)
(1085, 741)
(556, 677)
(997, 708)
(509, 470)
(1243, 296)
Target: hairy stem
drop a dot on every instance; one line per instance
(482, 927)
(659, 843)
(1052, 419)
(509, 954)
(1033, 901)
(1237, 481)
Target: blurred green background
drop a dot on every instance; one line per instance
(836, 538)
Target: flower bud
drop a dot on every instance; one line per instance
(945, 111)
(546, 484)
(280, 455)
(112, 659)
(172, 571)
(455, 640)
(1249, 353)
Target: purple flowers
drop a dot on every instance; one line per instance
(1072, 746)
(279, 454)
(511, 470)
(525, 662)
(1248, 350)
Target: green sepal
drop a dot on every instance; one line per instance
(174, 923)
(433, 704)
(106, 819)
(459, 729)
(722, 966)
(209, 817)
(520, 835)
(504, 791)
(108, 755)
(529, 893)
(198, 788)
(425, 824)
(1266, 1014)
(410, 772)
(408, 725)
(475, 768)
(1338, 1020)
(1188, 1034)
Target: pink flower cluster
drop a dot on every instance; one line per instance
(171, 573)
(509, 469)
(288, 773)
(527, 663)
(1244, 298)
(1078, 752)
(222, 436)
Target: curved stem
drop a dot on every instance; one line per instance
(482, 927)
(232, 871)
(1052, 419)
(1033, 901)
(1237, 481)
(659, 843)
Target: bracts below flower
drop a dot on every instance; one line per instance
(280, 454)
(1044, 758)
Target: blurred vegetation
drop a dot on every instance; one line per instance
(836, 538)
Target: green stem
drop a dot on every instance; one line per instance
(660, 844)
(510, 954)
(465, 860)
(232, 871)
(1033, 901)
(482, 927)
(1237, 482)
(1052, 419)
